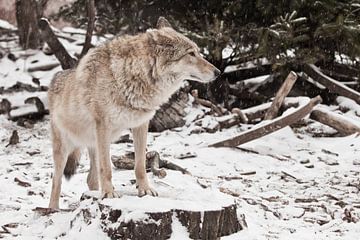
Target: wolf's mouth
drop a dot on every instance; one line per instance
(193, 76)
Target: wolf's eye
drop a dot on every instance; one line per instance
(192, 54)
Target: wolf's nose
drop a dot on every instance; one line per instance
(217, 72)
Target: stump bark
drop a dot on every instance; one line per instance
(131, 217)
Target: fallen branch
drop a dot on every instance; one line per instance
(22, 183)
(58, 49)
(342, 124)
(154, 163)
(280, 96)
(206, 103)
(333, 85)
(90, 27)
(272, 126)
(44, 67)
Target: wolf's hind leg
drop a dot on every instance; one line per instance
(60, 155)
(140, 135)
(93, 175)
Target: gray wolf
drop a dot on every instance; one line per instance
(118, 85)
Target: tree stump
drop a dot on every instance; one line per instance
(171, 114)
(205, 213)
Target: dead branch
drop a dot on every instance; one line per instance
(272, 126)
(206, 103)
(44, 67)
(153, 158)
(154, 163)
(22, 183)
(48, 211)
(243, 118)
(50, 38)
(333, 85)
(90, 27)
(334, 120)
(280, 96)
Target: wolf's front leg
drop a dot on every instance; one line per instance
(103, 156)
(140, 135)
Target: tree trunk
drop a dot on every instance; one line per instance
(27, 14)
(171, 114)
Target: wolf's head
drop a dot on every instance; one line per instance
(178, 56)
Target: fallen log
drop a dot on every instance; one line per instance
(341, 123)
(280, 96)
(333, 85)
(266, 128)
(246, 73)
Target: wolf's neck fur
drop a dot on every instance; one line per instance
(140, 84)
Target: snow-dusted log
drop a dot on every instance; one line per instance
(333, 85)
(33, 108)
(280, 96)
(58, 49)
(208, 214)
(342, 124)
(268, 127)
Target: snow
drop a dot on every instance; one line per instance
(6, 25)
(290, 167)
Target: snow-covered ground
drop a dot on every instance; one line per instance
(290, 184)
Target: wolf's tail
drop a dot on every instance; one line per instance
(72, 163)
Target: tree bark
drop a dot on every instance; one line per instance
(265, 129)
(171, 114)
(203, 224)
(60, 52)
(27, 14)
(90, 26)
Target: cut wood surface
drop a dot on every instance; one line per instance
(266, 128)
(280, 96)
(342, 124)
(333, 85)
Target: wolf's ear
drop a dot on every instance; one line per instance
(162, 22)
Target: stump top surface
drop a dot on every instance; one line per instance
(176, 192)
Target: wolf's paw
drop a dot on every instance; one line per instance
(110, 194)
(146, 190)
